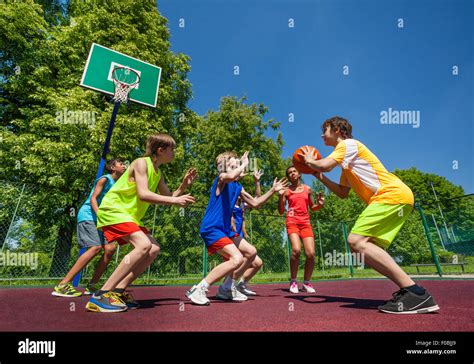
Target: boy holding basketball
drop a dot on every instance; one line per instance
(120, 216)
(216, 229)
(389, 201)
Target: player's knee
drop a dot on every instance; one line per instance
(252, 253)
(109, 249)
(356, 243)
(154, 251)
(309, 255)
(257, 263)
(237, 260)
(144, 248)
(95, 249)
(295, 253)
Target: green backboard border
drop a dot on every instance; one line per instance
(85, 80)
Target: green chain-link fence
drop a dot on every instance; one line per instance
(38, 249)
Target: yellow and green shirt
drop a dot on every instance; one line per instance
(121, 203)
(366, 175)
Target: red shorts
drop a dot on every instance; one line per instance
(219, 244)
(304, 231)
(118, 231)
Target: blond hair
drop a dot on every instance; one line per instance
(222, 159)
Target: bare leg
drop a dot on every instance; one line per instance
(81, 262)
(248, 251)
(377, 258)
(250, 272)
(235, 260)
(295, 254)
(141, 248)
(109, 250)
(308, 244)
(141, 266)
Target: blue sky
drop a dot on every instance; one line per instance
(300, 70)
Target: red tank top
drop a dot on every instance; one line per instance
(298, 206)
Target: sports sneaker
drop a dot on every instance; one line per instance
(406, 302)
(197, 294)
(91, 289)
(66, 290)
(242, 288)
(230, 294)
(308, 288)
(294, 287)
(128, 299)
(108, 302)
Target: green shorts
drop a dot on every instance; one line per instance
(382, 222)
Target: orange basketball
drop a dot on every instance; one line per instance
(298, 160)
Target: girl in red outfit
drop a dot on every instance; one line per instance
(298, 226)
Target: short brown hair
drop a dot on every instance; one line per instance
(110, 163)
(222, 158)
(344, 127)
(156, 141)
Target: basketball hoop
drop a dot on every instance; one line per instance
(125, 80)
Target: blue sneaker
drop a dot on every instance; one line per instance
(108, 302)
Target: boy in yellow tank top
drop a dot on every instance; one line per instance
(120, 214)
(389, 201)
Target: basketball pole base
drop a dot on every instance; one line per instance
(100, 170)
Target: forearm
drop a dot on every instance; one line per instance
(157, 199)
(258, 190)
(94, 205)
(264, 198)
(179, 191)
(333, 186)
(281, 205)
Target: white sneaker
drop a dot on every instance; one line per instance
(294, 287)
(308, 288)
(230, 295)
(197, 294)
(242, 288)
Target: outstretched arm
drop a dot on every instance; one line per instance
(259, 201)
(144, 194)
(316, 206)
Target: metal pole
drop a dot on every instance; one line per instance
(320, 245)
(100, 170)
(440, 211)
(428, 237)
(13, 218)
(439, 233)
(344, 232)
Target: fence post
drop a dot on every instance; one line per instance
(204, 260)
(428, 237)
(13, 218)
(320, 245)
(348, 252)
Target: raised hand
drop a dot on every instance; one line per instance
(184, 200)
(257, 174)
(281, 184)
(244, 160)
(309, 155)
(191, 175)
(320, 199)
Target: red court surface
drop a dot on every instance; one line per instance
(336, 306)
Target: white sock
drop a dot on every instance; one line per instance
(204, 284)
(243, 282)
(228, 283)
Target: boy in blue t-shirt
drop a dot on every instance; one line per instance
(216, 229)
(89, 237)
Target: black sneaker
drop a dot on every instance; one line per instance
(406, 302)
